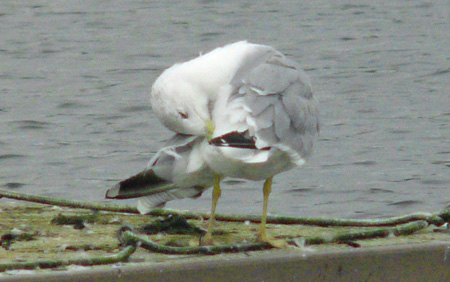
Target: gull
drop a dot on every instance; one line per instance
(241, 111)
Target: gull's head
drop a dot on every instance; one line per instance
(180, 105)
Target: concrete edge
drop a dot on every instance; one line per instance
(418, 262)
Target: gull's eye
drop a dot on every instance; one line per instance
(183, 115)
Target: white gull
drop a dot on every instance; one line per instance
(243, 111)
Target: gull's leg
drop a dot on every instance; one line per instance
(262, 236)
(215, 197)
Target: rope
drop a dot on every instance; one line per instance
(438, 218)
(131, 240)
(123, 255)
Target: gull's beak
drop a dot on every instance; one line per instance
(209, 126)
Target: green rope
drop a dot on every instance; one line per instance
(398, 226)
(146, 243)
(438, 218)
(67, 203)
(401, 230)
(98, 260)
(127, 235)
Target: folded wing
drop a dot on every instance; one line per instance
(270, 103)
(177, 171)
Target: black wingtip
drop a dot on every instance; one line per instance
(236, 139)
(136, 186)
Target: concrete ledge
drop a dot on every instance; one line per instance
(423, 262)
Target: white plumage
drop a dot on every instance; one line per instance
(241, 111)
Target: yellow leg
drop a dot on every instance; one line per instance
(215, 197)
(262, 236)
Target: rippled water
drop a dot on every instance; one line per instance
(75, 79)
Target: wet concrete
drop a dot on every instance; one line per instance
(426, 262)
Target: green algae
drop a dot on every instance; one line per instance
(33, 232)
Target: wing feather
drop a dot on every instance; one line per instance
(176, 171)
(276, 99)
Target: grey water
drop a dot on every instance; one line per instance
(75, 79)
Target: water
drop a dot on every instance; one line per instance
(75, 80)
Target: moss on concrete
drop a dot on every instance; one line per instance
(33, 232)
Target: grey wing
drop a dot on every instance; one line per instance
(280, 107)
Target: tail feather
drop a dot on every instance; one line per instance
(142, 184)
(148, 203)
